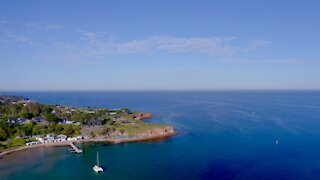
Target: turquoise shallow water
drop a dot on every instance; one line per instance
(222, 135)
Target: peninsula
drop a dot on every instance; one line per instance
(25, 123)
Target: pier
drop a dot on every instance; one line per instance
(75, 148)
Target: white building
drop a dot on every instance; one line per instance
(33, 143)
(78, 138)
(61, 137)
(72, 139)
(51, 138)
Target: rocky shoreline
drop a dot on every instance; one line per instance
(132, 139)
(93, 140)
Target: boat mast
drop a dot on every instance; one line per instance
(98, 158)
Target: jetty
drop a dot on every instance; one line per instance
(75, 149)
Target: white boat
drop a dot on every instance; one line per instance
(97, 167)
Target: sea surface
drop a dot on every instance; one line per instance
(222, 135)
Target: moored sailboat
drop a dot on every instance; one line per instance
(97, 167)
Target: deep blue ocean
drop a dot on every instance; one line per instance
(222, 135)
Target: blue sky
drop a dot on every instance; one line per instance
(163, 45)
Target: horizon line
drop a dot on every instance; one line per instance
(156, 90)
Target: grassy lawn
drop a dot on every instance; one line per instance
(133, 129)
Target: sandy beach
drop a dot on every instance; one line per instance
(21, 148)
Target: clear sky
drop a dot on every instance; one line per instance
(163, 45)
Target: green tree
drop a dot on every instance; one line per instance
(11, 130)
(34, 108)
(39, 129)
(26, 129)
(17, 142)
(68, 130)
(58, 129)
(76, 129)
(3, 134)
(25, 114)
(51, 128)
(51, 118)
(46, 109)
(13, 110)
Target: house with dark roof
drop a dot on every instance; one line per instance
(66, 121)
(19, 121)
(38, 119)
(94, 122)
(23, 120)
(12, 120)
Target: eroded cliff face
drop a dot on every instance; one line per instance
(142, 116)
